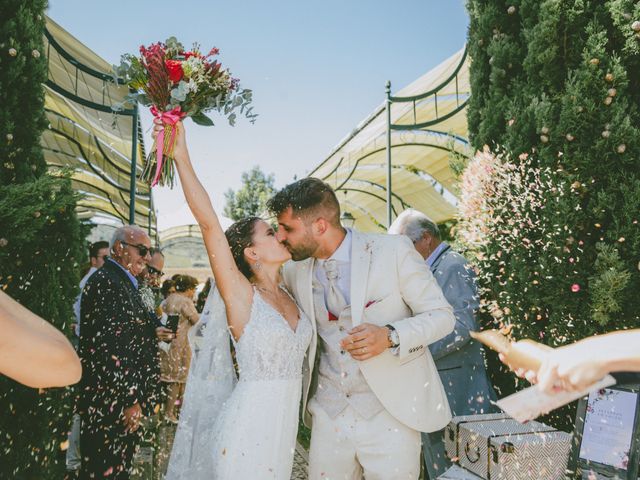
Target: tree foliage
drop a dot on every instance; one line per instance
(555, 93)
(41, 241)
(250, 199)
(23, 69)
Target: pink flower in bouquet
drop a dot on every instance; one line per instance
(174, 67)
(575, 288)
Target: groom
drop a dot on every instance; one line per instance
(370, 385)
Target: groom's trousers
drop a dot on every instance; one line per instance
(349, 446)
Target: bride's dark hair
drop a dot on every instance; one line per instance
(240, 236)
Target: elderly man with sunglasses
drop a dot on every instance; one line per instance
(119, 358)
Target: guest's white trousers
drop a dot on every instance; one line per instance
(349, 446)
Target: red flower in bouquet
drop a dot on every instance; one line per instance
(174, 68)
(177, 83)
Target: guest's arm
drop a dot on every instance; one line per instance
(581, 364)
(189, 311)
(32, 351)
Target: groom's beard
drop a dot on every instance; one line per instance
(301, 252)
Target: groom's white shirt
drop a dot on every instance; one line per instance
(342, 256)
(389, 276)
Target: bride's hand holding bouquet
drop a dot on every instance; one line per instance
(177, 83)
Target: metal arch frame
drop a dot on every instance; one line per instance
(99, 143)
(136, 128)
(378, 150)
(414, 144)
(103, 176)
(366, 212)
(435, 183)
(377, 185)
(417, 126)
(105, 195)
(99, 173)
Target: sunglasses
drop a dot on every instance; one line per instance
(142, 249)
(154, 271)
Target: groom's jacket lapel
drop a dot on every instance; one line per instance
(306, 290)
(360, 260)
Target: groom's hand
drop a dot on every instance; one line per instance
(366, 341)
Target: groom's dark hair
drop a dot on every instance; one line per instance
(308, 197)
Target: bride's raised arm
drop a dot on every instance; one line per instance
(234, 287)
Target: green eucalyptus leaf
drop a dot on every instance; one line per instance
(201, 119)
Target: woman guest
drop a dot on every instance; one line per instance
(174, 365)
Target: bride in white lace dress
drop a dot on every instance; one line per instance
(240, 429)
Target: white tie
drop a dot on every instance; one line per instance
(335, 300)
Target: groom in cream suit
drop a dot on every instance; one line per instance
(370, 385)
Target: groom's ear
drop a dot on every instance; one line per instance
(320, 226)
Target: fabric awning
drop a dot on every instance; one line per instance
(86, 136)
(429, 122)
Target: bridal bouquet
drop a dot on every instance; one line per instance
(178, 83)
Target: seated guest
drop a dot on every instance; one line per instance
(459, 359)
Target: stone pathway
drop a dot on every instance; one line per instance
(300, 464)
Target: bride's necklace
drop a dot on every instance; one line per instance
(274, 295)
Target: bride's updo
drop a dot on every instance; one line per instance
(240, 236)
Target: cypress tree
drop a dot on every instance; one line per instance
(23, 68)
(572, 105)
(41, 241)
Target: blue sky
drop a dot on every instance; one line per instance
(317, 68)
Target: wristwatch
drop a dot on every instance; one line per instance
(393, 337)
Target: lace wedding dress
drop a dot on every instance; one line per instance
(247, 429)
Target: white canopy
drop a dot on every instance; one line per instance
(86, 136)
(429, 122)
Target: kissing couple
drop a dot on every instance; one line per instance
(332, 316)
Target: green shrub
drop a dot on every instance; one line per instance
(556, 239)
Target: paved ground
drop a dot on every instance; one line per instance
(300, 464)
(158, 455)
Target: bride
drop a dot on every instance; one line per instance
(246, 428)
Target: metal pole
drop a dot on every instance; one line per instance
(388, 108)
(150, 212)
(134, 154)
